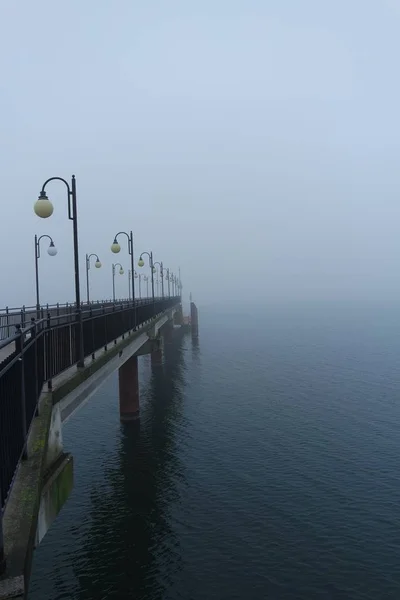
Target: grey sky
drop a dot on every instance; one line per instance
(253, 143)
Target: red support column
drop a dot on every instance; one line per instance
(129, 390)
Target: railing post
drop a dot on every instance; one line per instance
(71, 329)
(105, 327)
(92, 321)
(113, 309)
(8, 323)
(48, 353)
(19, 346)
(33, 335)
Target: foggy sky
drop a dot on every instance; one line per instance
(253, 143)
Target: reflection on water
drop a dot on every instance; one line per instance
(129, 546)
(130, 531)
(195, 347)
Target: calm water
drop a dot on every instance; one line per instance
(266, 465)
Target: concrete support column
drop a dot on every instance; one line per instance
(129, 390)
(194, 319)
(168, 329)
(156, 356)
(178, 316)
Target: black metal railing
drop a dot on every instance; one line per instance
(10, 317)
(35, 354)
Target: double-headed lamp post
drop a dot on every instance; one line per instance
(121, 272)
(152, 269)
(97, 264)
(52, 251)
(162, 276)
(44, 209)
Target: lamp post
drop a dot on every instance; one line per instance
(115, 247)
(97, 264)
(152, 269)
(44, 209)
(129, 279)
(161, 276)
(146, 279)
(139, 277)
(52, 251)
(121, 272)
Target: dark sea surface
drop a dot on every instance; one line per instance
(266, 465)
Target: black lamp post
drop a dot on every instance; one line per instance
(44, 209)
(162, 276)
(97, 264)
(115, 247)
(136, 276)
(129, 284)
(121, 272)
(146, 279)
(52, 251)
(168, 279)
(152, 269)
(139, 278)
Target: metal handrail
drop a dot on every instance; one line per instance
(12, 318)
(12, 310)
